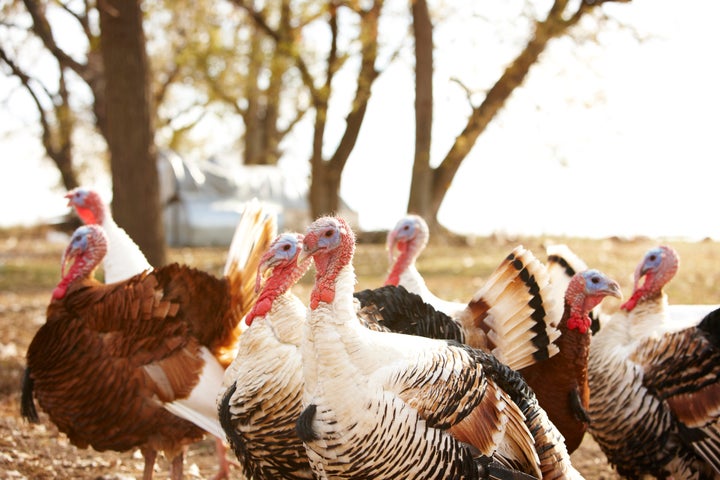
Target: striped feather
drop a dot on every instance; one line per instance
(515, 312)
(655, 407)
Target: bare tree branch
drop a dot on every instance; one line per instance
(25, 80)
(367, 76)
(299, 116)
(42, 29)
(57, 144)
(83, 20)
(285, 48)
(555, 24)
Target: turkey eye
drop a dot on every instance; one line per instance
(653, 258)
(286, 247)
(329, 233)
(595, 280)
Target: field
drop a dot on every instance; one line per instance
(29, 269)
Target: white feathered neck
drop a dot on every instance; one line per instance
(124, 259)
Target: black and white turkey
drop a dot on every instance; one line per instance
(655, 403)
(386, 405)
(264, 383)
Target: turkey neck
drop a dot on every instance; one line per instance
(329, 328)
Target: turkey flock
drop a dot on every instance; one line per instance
(384, 383)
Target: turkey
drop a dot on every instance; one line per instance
(151, 351)
(264, 395)
(509, 316)
(124, 258)
(659, 266)
(388, 405)
(410, 237)
(560, 383)
(655, 403)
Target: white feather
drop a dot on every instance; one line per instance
(200, 406)
(124, 259)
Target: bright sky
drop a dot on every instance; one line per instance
(618, 138)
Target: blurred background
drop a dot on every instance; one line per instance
(591, 118)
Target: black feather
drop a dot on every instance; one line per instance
(403, 312)
(303, 426)
(710, 326)
(27, 403)
(490, 469)
(226, 422)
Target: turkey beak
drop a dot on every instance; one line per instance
(613, 290)
(68, 256)
(304, 254)
(640, 272)
(261, 276)
(69, 199)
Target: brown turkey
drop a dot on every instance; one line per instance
(137, 363)
(560, 382)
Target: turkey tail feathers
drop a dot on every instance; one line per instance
(516, 310)
(27, 404)
(253, 235)
(255, 231)
(395, 309)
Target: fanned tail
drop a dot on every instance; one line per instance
(253, 235)
(255, 232)
(395, 309)
(516, 311)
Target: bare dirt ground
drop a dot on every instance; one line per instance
(39, 451)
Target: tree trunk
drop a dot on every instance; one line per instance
(422, 173)
(324, 193)
(136, 201)
(324, 188)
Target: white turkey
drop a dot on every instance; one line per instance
(124, 258)
(264, 395)
(410, 237)
(563, 263)
(655, 403)
(386, 405)
(514, 315)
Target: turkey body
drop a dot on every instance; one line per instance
(110, 356)
(137, 363)
(387, 405)
(263, 398)
(561, 382)
(655, 403)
